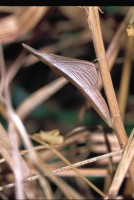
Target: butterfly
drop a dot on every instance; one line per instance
(80, 73)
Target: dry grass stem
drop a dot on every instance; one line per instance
(85, 172)
(122, 169)
(94, 172)
(14, 148)
(94, 26)
(84, 162)
(6, 151)
(45, 185)
(40, 165)
(14, 68)
(110, 167)
(18, 124)
(20, 168)
(68, 163)
(78, 134)
(113, 49)
(109, 149)
(40, 96)
(126, 72)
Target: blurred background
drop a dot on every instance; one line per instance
(62, 30)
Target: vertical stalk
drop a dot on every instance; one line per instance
(113, 48)
(124, 85)
(94, 26)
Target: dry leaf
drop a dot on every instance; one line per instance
(82, 74)
(52, 137)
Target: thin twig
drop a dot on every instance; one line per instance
(84, 162)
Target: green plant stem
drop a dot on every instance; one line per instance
(94, 25)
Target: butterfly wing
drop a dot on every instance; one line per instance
(82, 74)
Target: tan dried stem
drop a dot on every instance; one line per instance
(85, 172)
(71, 166)
(15, 67)
(113, 48)
(126, 73)
(95, 28)
(20, 168)
(111, 54)
(39, 96)
(124, 164)
(41, 166)
(84, 162)
(18, 174)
